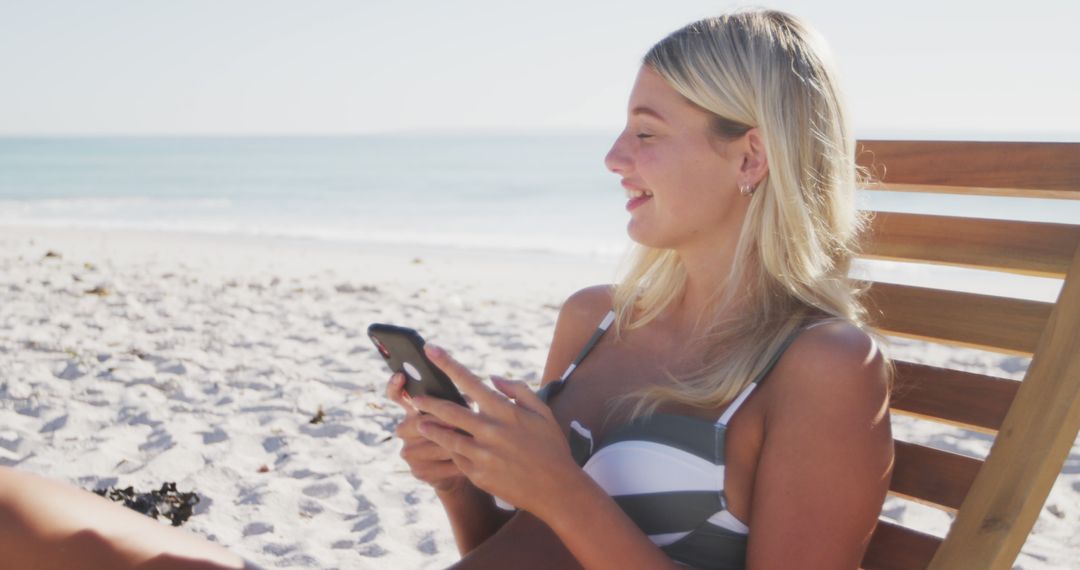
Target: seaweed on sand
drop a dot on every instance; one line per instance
(166, 502)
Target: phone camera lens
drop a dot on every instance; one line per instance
(382, 349)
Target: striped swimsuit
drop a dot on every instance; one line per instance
(666, 472)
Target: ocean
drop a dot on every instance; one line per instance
(508, 192)
(530, 193)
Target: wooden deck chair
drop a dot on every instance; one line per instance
(996, 502)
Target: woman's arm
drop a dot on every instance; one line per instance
(47, 524)
(473, 515)
(524, 543)
(598, 533)
(826, 456)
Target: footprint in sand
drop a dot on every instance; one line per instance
(370, 438)
(158, 440)
(252, 495)
(172, 367)
(256, 528)
(427, 544)
(310, 508)
(73, 370)
(412, 513)
(279, 549)
(321, 490)
(368, 525)
(272, 444)
(325, 430)
(372, 551)
(511, 344)
(216, 436)
(10, 440)
(55, 424)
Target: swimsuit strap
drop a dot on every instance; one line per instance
(600, 330)
(730, 411)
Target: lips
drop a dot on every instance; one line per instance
(634, 202)
(635, 196)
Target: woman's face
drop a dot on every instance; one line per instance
(689, 179)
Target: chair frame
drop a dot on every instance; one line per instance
(1036, 421)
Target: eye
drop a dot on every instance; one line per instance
(644, 136)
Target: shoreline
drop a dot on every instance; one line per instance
(472, 266)
(550, 276)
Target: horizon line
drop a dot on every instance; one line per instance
(878, 133)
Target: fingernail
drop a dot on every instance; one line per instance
(434, 351)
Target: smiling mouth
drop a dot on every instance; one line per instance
(637, 198)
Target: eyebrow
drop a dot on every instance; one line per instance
(642, 110)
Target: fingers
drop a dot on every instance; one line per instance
(395, 389)
(460, 446)
(430, 463)
(435, 473)
(469, 383)
(521, 394)
(449, 413)
(422, 451)
(407, 427)
(427, 461)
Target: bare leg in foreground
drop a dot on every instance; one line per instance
(49, 525)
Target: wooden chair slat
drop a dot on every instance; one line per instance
(973, 191)
(1052, 168)
(1001, 507)
(1029, 248)
(928, 475)
(895, 547)
(981, 321)
(964, 399)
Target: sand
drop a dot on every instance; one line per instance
(134, 358)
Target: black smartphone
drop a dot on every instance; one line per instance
(403, 350)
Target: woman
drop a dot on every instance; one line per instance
(739, 167)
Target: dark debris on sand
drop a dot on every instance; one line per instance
(166, 502)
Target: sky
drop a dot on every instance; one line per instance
(989, 70)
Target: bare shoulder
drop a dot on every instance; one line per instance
(588, 305)
(834, 364)
(827, 427)
(578, 318)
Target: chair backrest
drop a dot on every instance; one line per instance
(1035, 421)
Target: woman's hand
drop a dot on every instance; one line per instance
(515, 449)
(427, 461)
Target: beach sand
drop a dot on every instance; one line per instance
(132, 358)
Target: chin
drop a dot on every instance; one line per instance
(645, 238)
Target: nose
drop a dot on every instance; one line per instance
(617, 160)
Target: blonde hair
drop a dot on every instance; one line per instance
(769, 70)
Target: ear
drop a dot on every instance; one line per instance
(755, 164)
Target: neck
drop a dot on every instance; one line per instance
(707, 267)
